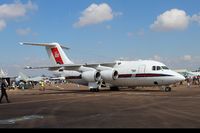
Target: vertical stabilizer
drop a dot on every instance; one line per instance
(55, 52)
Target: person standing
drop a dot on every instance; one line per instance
(188, 79)
(42, 84)
(4, 85)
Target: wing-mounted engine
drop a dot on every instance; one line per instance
(109, 75)
(91, 76)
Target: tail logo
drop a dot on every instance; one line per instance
(57, 56)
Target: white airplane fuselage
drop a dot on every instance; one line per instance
(134, 74)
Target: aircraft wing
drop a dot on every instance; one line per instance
(36, 79)
(72, 67)
(54, 68)
(111, 64)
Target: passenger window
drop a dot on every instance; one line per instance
(154, 68)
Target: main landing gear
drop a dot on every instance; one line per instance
(114, 88)
(94, 86)
(94, 90)
(166, 89)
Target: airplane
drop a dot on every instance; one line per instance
(25, 78)
(196, 72)
(3, 74)
(188, 74)
(115, 75)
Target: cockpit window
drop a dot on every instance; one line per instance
(159, 68)
(165, 68)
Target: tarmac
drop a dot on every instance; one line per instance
(70, 106)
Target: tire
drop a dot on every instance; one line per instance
(94, 90)
(168, 89)
(114, 88)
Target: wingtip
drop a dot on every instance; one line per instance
(21, 43)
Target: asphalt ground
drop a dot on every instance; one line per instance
(70, 106)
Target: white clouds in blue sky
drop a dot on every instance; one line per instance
(138, 33)
(2, 24)
(187, 57)
(174, 19)
(96, 14)
(13, 11)
(196, 18)
(24, 32)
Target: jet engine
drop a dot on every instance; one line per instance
(109, 75)
(91, 76)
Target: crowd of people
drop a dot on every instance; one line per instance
(190, 80)
(195, 80)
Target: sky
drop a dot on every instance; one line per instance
(100, 31)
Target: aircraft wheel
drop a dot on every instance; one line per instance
(97, 90)
(168, 89)
(133, 88)
(94, 90)
(114, 88)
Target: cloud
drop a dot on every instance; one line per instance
(157, 58)
(130, 34)
(96, 14)
(108, 27)
(2, 24)
(14, 10)
(196, 18)
(173, 19)
(116, 14)
(138, 33)
(187, 58)
(141, 33)
(24, 32)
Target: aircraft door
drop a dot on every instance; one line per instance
(142, 69)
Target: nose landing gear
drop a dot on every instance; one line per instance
(94, 90)
(166, 89)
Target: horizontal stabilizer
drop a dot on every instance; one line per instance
(43, 44)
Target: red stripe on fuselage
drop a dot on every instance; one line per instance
(125, 75)
(74, 77)
(57, 56)
(151, 75)
(142, 75)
